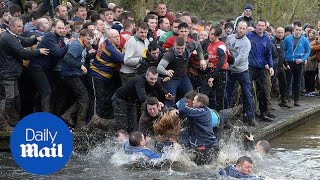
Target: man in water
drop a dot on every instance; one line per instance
(242, 169)
(136, 144)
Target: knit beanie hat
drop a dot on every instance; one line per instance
(248, 6)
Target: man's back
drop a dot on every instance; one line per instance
(201, 127)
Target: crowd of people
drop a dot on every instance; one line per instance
(100, 69)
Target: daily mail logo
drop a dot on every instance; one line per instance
(41, 143)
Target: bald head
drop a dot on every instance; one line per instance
(43, 25)
(280, 33)
(114, 37)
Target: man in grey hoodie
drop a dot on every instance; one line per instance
(239, 46)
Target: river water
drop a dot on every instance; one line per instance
(295, 155)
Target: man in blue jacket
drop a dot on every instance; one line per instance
(260, 58)
(136, 145)
(242, 169)
(40, 68)
(296, 52)
(201, 133)
(72, 69)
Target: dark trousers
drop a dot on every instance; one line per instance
(244, 80)
(79, 91)
(9, 98)
(258, 75)
(280, 74)
(43, 81)
(217, 92)
(125, 115)
(294, 75)
(27, 93)
(309, 77)
(102, 97)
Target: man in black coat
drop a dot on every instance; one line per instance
(12, 53)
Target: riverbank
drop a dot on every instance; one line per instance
(286, 118)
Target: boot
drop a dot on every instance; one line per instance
(284, 103)
(250, 121)
(4, 125)
(98, 122)
(67, 116)
(296, 103)
(81, 126)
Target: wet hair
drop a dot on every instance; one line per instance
(190, 95)
(265, 145)
(135, 138)
(121, 131)
(183, 25)
(168, 125)
(243, 159)
(217, 30)
(152, 101)
(152, 70)
(142, 25)
(153, 46)
(180, 41)
(203, 99)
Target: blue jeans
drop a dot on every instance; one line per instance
(177, 86)
(244, 80)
